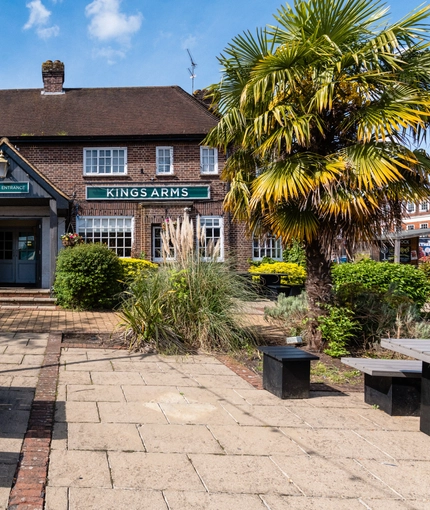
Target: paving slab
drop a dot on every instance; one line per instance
(131, 412)
(165, 394)
(175, 378)
(249, 440)
(115, 499)
(94, 393)
(202, 500)
(329, 443)
(153, 471)
(116, 378)
(104, 436)
(79, 412)
(263, 416)
(335, 477)
(401, 445)
(179, 439)
(384, 504)
(211, 395)
(409, 479)
(276, 502)
(79, 469)
(242, 474)
(196, 414)
(334, 418)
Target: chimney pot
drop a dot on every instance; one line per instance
(53, 77)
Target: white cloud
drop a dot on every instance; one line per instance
(108, 23)
(39, 18)
(189, 42)
(109, 54)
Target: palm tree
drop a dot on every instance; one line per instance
(320, 115)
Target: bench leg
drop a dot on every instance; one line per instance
(288, 379)
(425, 399)
(397, 396)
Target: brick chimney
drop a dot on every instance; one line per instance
(53, 77)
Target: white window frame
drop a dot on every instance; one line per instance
(210, 219)
(410, 227)
(98, 156)
(267, 246)
(424, 225)
(106, 226)
(154, 247)
(161, 167)
(205, 153)
(410, 207)
(424, 206)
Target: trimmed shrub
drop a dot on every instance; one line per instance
(87, 277)
(296, 274)
(132, 268)
(401, 279)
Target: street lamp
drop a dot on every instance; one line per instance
(4, 163)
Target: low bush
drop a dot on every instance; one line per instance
(290, 314)
(87, 277)
(132, 268)
(338, 328)
(402, 279)
(296, 275)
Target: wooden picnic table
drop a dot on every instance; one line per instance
(419, 349)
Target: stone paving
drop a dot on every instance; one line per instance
(134, 431)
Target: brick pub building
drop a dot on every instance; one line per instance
(111, 164)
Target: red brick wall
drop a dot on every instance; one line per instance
(62, 164)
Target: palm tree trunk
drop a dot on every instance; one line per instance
(318, 288)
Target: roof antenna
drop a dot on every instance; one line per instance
(191, 70)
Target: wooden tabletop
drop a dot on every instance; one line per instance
(418, 348)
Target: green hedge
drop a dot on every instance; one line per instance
(381, 276)
(88, 276)
(296, 274)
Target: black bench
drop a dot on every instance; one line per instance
(286, 371)
(392, 385)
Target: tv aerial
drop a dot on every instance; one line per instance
(191, 70)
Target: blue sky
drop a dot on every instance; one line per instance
(118, 43)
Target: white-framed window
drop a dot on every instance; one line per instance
(213, 229)
(268, 246)
(116, 232)
(208, 160)
(410, 227)
(424, 225)
(157, 245)
(164, 160)
(105, 161)
(410, 207)
(424, 206)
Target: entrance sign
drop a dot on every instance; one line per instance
(148, 192)
(14, 187)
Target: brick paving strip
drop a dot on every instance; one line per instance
(28, 491)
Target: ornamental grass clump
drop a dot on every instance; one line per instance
(190, 304)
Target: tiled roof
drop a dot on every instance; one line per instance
(130, 111)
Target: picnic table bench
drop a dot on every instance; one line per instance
(392, 385)
(418, 348)
(286, 371)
